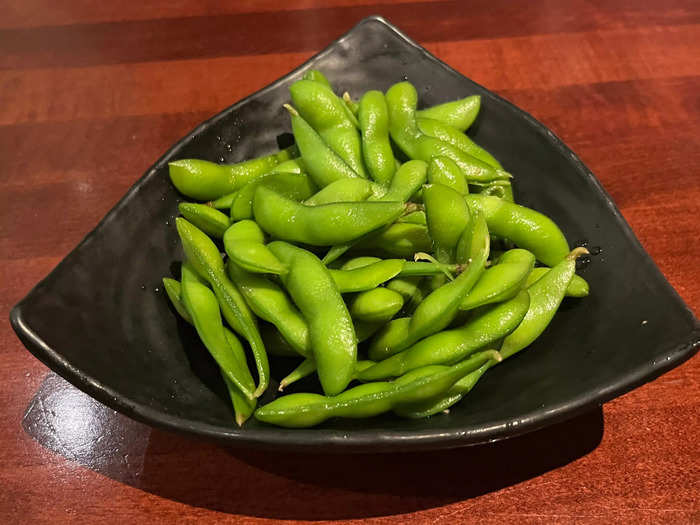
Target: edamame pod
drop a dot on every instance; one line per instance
(527, 228)
(547, 294)
(447, 216)
(502, 281)
(322, 163)
(243, 406)
(455, 394)
(327, 115)
(205, 259)
(371, 399)
(174, 293)
(203, 180)
(331, 332)
(376, 149)
(460, 114)
(324, 225)
(366, 277)
(209, 220)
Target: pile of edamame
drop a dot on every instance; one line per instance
(384, 249)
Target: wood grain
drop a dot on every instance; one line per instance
(92, 93)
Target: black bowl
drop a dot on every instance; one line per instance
(101, 321)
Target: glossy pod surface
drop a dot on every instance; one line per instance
(331, 331)
(324, 225)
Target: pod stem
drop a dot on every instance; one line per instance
(495, 355)
(577, 252)
(291, 110)
(444, 268)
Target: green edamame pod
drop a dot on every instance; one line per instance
(578, 287)
(203, 309)
(371, 399)
(173, 290)
(205, 259)
(401, 101)
(243, 242)
(206, 218)
(455, 394)
(366, 277)
(331, 332)
(316, 76)
(450, 346)
(502, 281)
(203, 180)
(376, 149)
(527, 228)
(377, 305)
(324, 225)
(322, 163)
(460, 114)
(447, 216)
(435, 128)
(295, 186)
(547, 294)
(327, 115)
(443, 170)
(269, 302)
(341, 190)
(243, 406)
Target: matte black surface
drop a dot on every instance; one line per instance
(102, 321)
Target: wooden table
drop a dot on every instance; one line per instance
(92, 92)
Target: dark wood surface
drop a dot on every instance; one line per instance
(92, 92)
